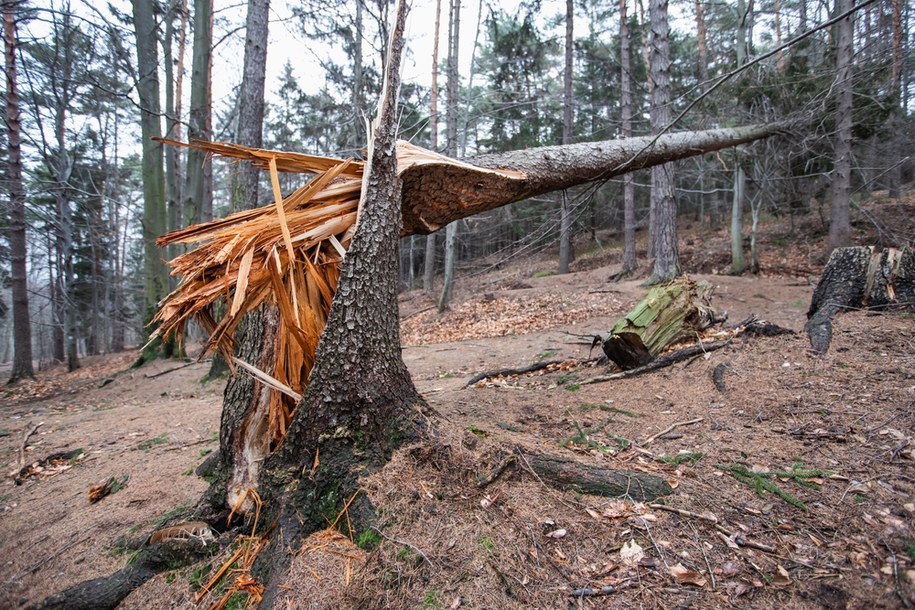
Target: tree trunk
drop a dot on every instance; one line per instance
(629, 260)
(344, 430)
(451, 145)
(667, 259)
(438, 192)
(861, 277)
(429, 260)
(839, 227)
(701, 42)
(565, 229)
(154, 217)
(22, 330)
(669, 313)
(737, 259)
(195, 186)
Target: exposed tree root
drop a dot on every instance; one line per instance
(107, 592)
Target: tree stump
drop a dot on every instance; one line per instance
(861, 277)
(671, 312)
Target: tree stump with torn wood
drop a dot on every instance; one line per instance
(861, 277)
(671, 312)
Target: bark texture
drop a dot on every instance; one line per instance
(360, 403)
(155, 273)
(663, 230)
(629, 260)
(251, 101)
(435, 194)
(594, 480)
(860, 277)
(839, 227)
(22, 331)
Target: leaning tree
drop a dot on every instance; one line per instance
(323, 397)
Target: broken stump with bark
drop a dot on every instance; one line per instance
(671, 312)
(861, 277)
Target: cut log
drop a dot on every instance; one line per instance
(671, 312)
(568, 474)
(861, 277)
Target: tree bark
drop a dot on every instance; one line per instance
(738, 263)
(429, 260)
(22, 330)
(251, 101)
(565, 229)
(451, 112)
(154, 217)
(839, 227)
(629, 260)
(195, 197)
(582, 478)
(436, 193)
(860, 277)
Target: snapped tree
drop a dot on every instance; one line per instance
(359, 404)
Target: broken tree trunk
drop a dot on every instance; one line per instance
(671, 312)
(437, 191)
(583, 478)
(861, 277)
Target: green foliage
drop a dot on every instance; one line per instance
(368, 539)
(910, 550)
(582, 439)
(431, 600)
(152, 442)
(487, 543)
(681, 458)
(477, 431)
(590, 406)
(763, 482)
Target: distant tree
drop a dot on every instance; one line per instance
(566, 252)
(22, 330)
(839, 228)
(629, 260)
(667, 260)
(198, 199)
(154, 213)
(451, 143)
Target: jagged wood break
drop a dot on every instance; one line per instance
(288, 253)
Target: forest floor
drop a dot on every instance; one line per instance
(832, 527)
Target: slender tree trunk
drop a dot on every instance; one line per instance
(22, 329)
(172, 131)
(451, 144)
(154, 216)
(667, 260)
(738, 263)
(195, 185)
(429, 261)
(839, 228)
(566, 252)
(629, 260)
(701, 35)
(896, 121)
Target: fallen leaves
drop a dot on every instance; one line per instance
(684, 576)
(505, 315)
